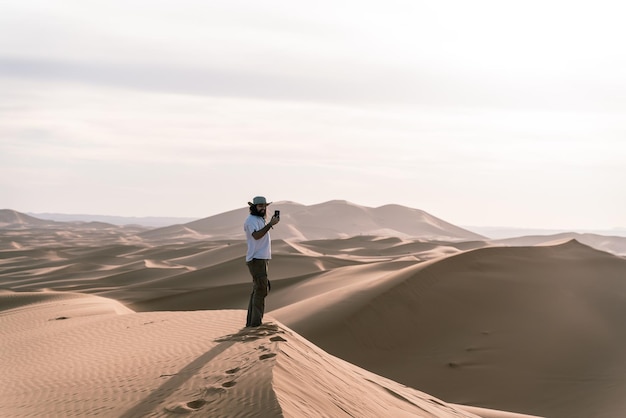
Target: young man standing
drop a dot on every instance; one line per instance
(258, 256)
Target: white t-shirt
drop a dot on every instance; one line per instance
(257, 248)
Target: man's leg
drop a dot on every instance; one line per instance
(256, 306)
(249, 318)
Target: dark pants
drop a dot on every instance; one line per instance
(260, 287)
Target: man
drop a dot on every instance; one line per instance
(258, 256)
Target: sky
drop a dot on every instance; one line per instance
(487, 113)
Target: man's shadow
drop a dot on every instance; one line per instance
(161, 393)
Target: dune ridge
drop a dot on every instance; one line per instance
(72, 354)
(333, 219)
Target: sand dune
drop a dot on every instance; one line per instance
(77, 355)
(13, 219)
(612, 244)
(329, 220)
(532, 329)
(334, 219)
(145, 221)
(507, 328)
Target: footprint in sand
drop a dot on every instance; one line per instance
(229, 384)
(186, 408)
(197, 404)
(277, 339)
(233, 371)
(266, 356)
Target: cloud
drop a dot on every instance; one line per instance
(536, 55)
(489, 102)
(392, 88)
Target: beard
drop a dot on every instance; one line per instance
(255, 212)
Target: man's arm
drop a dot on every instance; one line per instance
(261, 232)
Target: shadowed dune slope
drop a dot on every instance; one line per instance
(531, 329)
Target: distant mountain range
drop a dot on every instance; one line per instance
(333, 219)
(493, 232)
(148, 221)
(501, 232)
(329, 220)
(11, 219)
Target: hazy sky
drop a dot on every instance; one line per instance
(481, 113)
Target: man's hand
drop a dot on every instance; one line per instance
(274, 220)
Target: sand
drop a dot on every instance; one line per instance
(532, 329)
(97, 319)
(81, 355)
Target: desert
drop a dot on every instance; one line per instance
(388, 311)
(450, 180)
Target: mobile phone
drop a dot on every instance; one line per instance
(277, 214)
